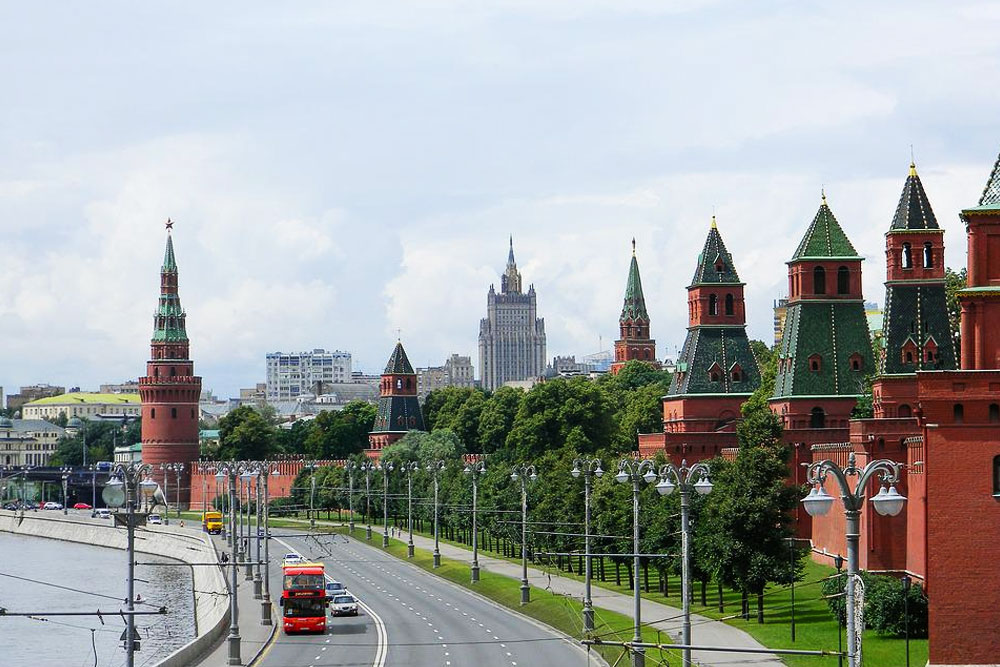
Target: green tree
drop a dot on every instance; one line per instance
(497, 418)
(337, 434)
(552, 409)
(762, 353)
(245, 435)
(101, 437)
(954, 281)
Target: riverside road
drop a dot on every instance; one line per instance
(410, 618)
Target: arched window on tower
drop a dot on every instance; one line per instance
(928, 255)
(843, 280)
(994, 413)
(729, 304)
(906, 260)
(819, 280)
(905, 411)
(152, 413)
(958, 412)
(817, 418)
(713, 304)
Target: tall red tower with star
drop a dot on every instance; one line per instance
(170, 390)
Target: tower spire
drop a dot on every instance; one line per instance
(510, 281)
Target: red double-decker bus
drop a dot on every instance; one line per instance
(303, 598)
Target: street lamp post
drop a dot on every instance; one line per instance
(350, 466)
(524, 474)
(247, 476)
(124, 490)
(175, 468)
(590, 468)
(257, 582)
(474, 470)
(410, 468)
(435, 470)
(367, 467)
(906, 614)
(672, 477)
(386, 469)
(231, 471)
(65, 470)
(266, 470)
(312, 499)
(636, 471)
(838, 562)
(887, 502)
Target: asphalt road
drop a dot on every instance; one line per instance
(410, 618)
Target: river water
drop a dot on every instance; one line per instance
(67, 641)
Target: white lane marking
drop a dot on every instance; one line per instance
(382, 649)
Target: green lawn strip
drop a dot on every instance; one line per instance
(560, 612)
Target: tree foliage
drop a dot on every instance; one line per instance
(101, 437)
(954, 281)
(337, 434)
(244, 434)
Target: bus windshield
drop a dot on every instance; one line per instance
(304, 582)
(304, 607)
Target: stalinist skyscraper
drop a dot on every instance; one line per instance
(511, 336)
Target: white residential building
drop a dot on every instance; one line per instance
(290, 374)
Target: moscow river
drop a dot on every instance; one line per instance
(35, 575)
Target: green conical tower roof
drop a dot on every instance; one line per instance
(634, 307)
(715, 264)
(169, 262)
(991, 193)
(398, 363)
(914, 210)
(169, 321)
(825, 239)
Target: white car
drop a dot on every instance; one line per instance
(103, 513)
(344, 605)
(292, 559)
(154, 519)
(51, 505)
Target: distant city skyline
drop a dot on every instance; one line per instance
(338, 173)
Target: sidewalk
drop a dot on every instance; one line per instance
(253, 635)
(704, 631)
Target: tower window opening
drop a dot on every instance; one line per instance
(958, 412)
(729, 304)
(713, 304)
(906, 258)
(928, 256)
(173, 413)
(817, 418)
(905, 411)
(994, 413)
(843, 280)
(152, 413)
(815, 363)
(819, 280)
(996, 476)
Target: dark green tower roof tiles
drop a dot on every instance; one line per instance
(398, 363)
(825, 238)
(634, 307)
(169, 263)
(706, 347)
(991, 193)
(914, 210)
(715, 264)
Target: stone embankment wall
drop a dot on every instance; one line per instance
(211, 593)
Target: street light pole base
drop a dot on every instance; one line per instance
(475, 573)
(638, 657)
(265, 612)
(257, 585)
(525, 593)
(409, 550)
(437, 558)
(350, 527)
(385, 541)
(588, 619)
(249, 573)
(368, 533)
(234, 650)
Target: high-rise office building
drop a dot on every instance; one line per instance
(290, 374)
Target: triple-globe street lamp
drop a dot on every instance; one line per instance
(435, 470)
(367, 467)
(636, 471)
(177, 469)
(66, 471)
(409, 469)
(524, 474)
(230, 471)
(386, 469)
(474, 470)
(589, 468)
(350, 467)
(683, 477)
(887, 502)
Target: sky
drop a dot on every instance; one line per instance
(342, 173)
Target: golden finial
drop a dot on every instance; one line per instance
(913, 163)
(822, 195)
(713, 222)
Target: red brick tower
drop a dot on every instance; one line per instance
(960, 416)
(170, 390)
(635, 343)
(398, 407)
(716, 371)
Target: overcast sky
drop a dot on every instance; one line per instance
(341, 170)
